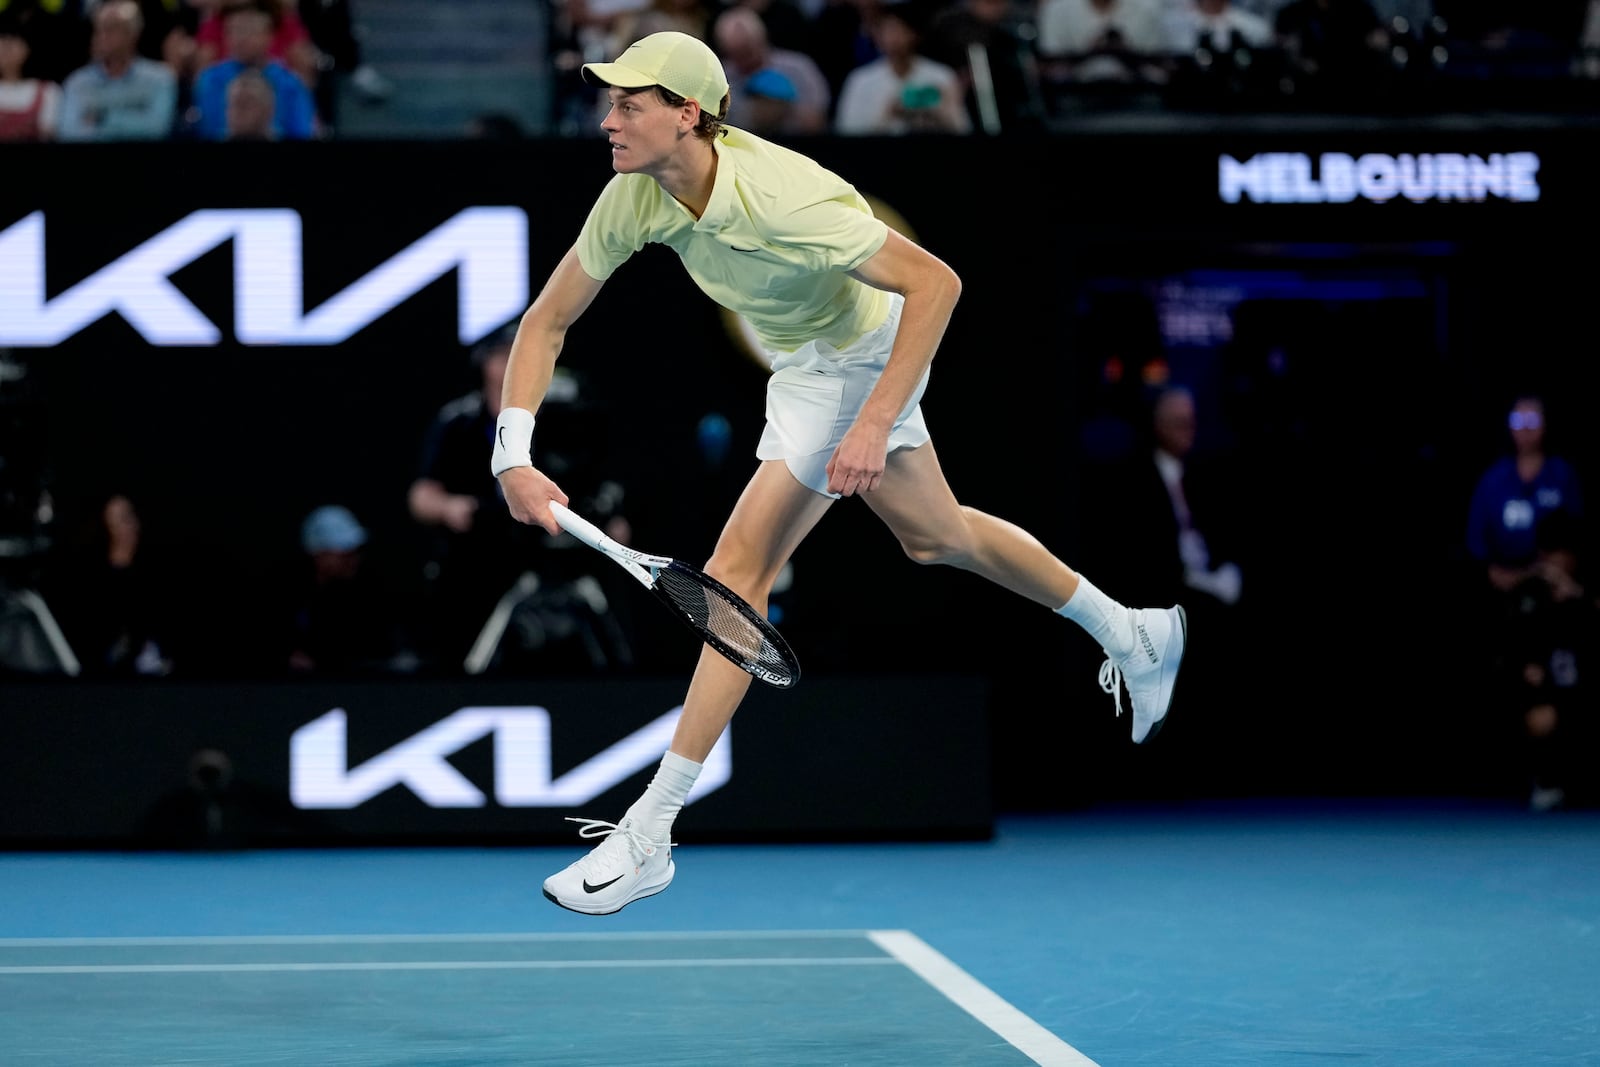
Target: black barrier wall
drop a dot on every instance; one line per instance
(239, 333)
(173, 764)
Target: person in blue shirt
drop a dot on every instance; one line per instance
(247, 28)
(1515, 494)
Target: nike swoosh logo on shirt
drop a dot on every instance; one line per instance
(736, 248)
(587, 888)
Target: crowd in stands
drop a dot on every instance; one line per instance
(90, 70)
(151, 70)
(957, 66)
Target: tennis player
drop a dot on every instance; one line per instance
(851, 313)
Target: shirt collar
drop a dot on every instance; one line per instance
(719, 209)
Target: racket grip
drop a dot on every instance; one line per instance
(578, 527)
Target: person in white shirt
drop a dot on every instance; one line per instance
(1214, 24)
(902, 91)
(1099, 40)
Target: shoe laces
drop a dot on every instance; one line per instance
(1111, 681)
(618, 836)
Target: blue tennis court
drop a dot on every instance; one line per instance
(760, 997)
(1400, 934)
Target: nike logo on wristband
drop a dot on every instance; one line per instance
(587, 888)
(502, 431)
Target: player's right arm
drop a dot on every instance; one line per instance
(540, 337)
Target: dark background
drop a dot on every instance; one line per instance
(1359, 387)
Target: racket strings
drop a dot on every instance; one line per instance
(710, 610)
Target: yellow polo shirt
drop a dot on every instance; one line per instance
(773, 245)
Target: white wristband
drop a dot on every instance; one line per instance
(513, 441)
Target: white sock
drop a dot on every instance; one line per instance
(1104, 618)
(665, 796)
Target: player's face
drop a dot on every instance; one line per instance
(644, 132)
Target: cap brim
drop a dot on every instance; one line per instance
(607, 74)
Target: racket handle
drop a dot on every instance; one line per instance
(578, 527)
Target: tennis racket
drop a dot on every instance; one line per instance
(718, 614)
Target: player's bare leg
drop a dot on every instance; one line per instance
(1144, 646)
(918, 505)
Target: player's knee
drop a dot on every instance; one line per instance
(931, 555)
(948, 544)
(933, 551)
(743, 576)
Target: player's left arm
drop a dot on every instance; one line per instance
(930, 288)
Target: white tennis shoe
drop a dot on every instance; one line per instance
(1151, 669)
(625, 866)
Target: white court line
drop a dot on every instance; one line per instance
(424, 939)
(978, 1000)
(445, 965)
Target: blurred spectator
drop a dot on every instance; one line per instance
(769, 98)
(1554, 626)
(347, 617)
(113, 594)
(740, 39)
(169, 38)
(30, 108)
(902, 91)
(341, 58)
(498, 593)
(1514, 495)
(252, 104)
(119, 95)
(1222, 55)
(1337, 51)
(981, 40)
(1098, 42)
(290, 42)
(1218, 26)
(1177, 540)
(840, 40)
(1206, 567)
(165, 23)
(248, 32)
(1515, 498)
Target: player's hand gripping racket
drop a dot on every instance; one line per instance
(717, 613)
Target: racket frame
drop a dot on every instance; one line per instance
(646, 569)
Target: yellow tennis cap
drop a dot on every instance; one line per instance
(673, 60)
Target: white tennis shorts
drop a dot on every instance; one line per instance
(817, 390)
